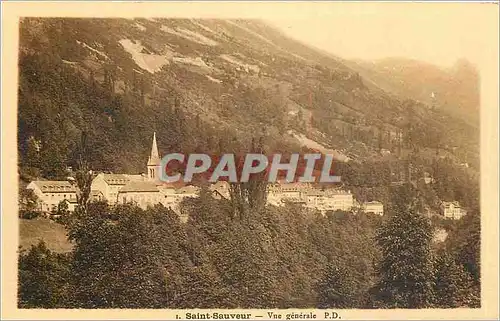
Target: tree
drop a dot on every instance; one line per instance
(406, 269)
(84, 177)
(464, 243)
(32, 158)
(62, 212)
(116, 262)
(53, 161)
(43, 278)
(250, 195)
(454, 286)
(28, 203)
(337, 289)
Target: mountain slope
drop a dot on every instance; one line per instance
(203, 85)
(455, 90)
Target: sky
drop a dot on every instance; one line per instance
(438, 33)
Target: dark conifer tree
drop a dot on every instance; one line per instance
(337, 288)
(454, 286)
(406, 270)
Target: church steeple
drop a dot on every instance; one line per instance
(154, 152)
(154, 160)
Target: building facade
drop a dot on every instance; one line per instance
(452, 210)
(330, 200)
(220, 190)
(310, 197)
(373, 207)
(51, 193)
(109, 185)
(143, 194)
(147, 190)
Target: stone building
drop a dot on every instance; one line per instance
(373, 207)
(452, 210)
(143, 194)
(147, 190)
(109, 185)
(51, 193)
(310, 197)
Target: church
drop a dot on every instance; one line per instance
(153, 166)
(144, 189)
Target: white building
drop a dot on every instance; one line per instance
(373, 207)
(428, 178)
(188, 191)
(291, 190)
(147, 190)
(143, 194)
(220, 190)
(169, 197)
(109, 185)
(51, 193)
(310, 197)
(452, 210)
(144, 190)
(385, 152)
(330, 200)
(280, 193)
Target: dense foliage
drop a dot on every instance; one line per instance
(124, 256)
(75, 77)
(78, 84)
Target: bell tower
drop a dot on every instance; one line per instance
(154, 161)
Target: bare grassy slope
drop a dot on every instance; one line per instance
(52, 233)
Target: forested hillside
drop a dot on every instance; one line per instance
(273, 258)
(219, 86)
(455, 89)
(204, 84)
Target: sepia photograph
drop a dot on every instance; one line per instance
(247, 167)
